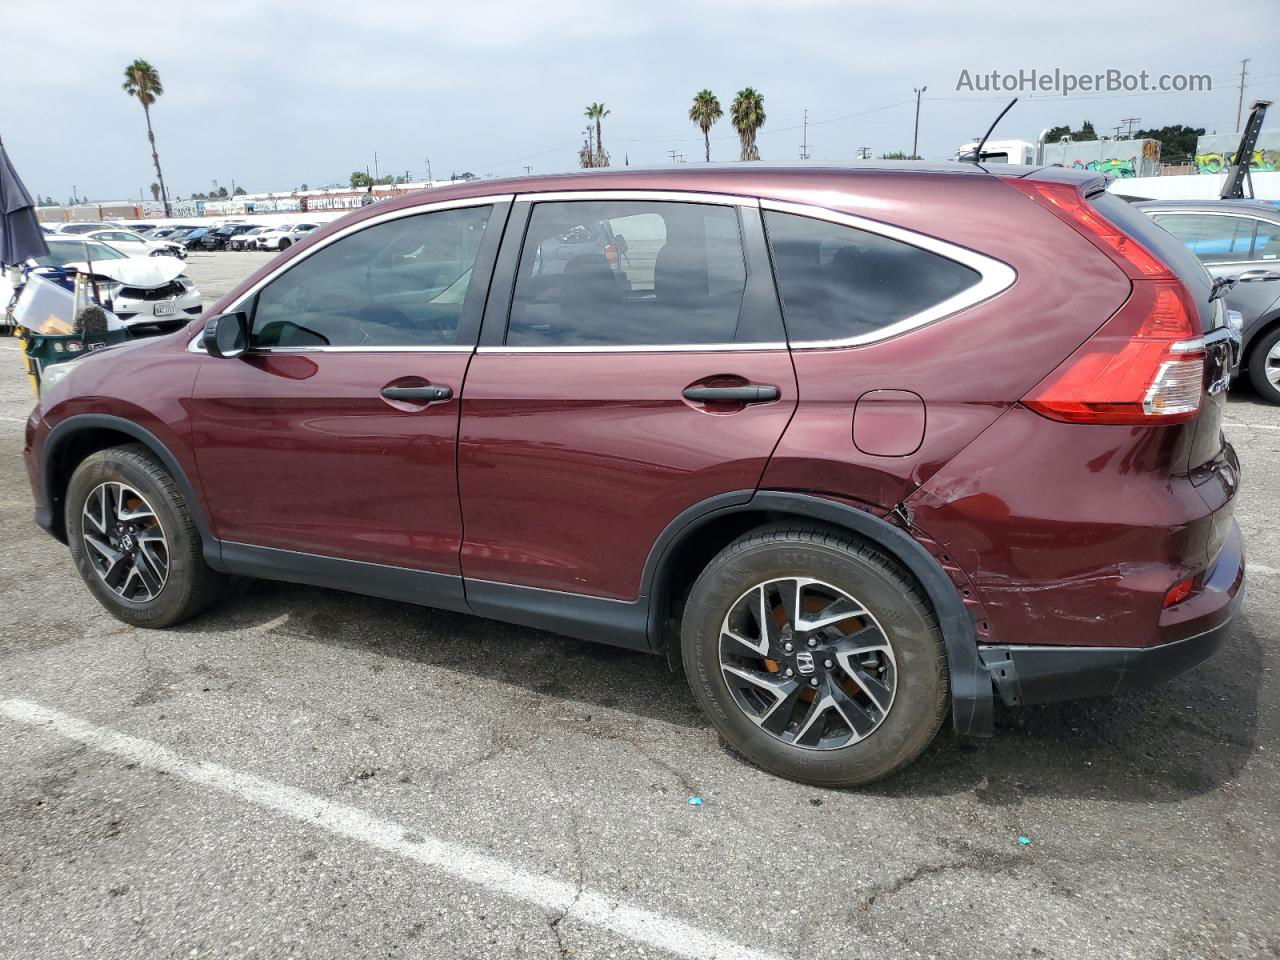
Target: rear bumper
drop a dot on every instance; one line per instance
(1043, 674)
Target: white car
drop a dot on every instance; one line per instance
(247, 240)
(141, 291)
(284, 236)
(128, 242)
(86, 226)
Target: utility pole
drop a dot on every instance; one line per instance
(1130, 121)
(864, 153)
(673, 154)
(804, 145)
(1244, 65)
(1117, 130)
(428, 171)
(528, 170)
(915, 136)
(375, 166)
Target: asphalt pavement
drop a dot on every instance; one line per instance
(306, 773)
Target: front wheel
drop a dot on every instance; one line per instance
(134, 540)
(815, 655)
(1264, 366)
(284, 245)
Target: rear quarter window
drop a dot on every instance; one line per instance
(838, 282)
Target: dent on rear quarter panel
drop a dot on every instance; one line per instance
(1070, 533)
(968, 368)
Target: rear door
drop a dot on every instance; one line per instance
(637, 366)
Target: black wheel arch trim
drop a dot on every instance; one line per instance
(971, 684)
(66, 429)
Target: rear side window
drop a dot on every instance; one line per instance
(1214, 239)
(839, 282)
(629, 273)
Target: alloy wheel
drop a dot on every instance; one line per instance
(807, 663)
(1272, 365)
(125, 542)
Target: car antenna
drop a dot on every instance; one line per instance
(976, 155)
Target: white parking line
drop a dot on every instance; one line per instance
(443, 856)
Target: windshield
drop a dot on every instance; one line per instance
(62, 253)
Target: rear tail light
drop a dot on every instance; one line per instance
(1145, 366)
(1070, 205)
(611, 253)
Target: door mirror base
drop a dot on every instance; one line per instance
(226, 335)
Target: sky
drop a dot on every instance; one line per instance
(272, 94)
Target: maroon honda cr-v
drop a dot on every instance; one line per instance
(858, 447)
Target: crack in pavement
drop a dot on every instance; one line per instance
(983, 862)
(579, 882)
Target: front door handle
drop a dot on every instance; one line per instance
(428, 394)
(751, 393)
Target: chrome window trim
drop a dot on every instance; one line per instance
(485, 201)
(660, 196)
(652, 348)
(996, 276)
(195, 346)
(653, 196)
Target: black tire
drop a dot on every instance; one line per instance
(1258, 365)
(284, 245)
(189, 584)
(900, 612)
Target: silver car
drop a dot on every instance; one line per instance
(1239, 240)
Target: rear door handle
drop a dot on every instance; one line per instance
(751, 393)
(428, 394)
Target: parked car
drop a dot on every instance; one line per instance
(148, 292)
(128, 242)
(84, 227)
(246, 240)
(284, 236)
(191, 239)
(861, 448)
(1238, 240)
(219, 239)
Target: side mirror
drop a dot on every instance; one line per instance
(226, 335)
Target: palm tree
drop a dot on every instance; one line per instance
(747, 114)
(597, 112)
(142, 81)
(705, 112)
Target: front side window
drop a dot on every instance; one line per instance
(396, 284)
(628, 273)
(838, 282)
(1211, 238)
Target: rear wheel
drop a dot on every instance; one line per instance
(815, 655)
(284, 244)
(134, 540)
(1264, 366)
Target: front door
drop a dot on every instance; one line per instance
(335, 434)
(638, 367)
